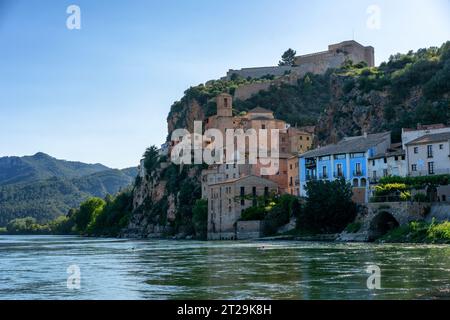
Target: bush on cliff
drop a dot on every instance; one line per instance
(200, 218)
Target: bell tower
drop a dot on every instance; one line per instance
(224, 105)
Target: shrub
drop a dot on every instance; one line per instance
(353, 227)
(200, 218)
(253, 213)
(420, 197)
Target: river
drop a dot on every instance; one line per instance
(35, 267)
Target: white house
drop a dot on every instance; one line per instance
(429, 155)
(390, 163)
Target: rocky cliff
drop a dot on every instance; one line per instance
(409, 89)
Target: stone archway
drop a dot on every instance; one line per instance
(381, 224)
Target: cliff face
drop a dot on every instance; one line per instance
(409, 89)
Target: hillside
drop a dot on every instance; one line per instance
(43, 187)
(41, 166)
(408, 89)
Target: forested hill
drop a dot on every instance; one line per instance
(42, 166)
(43, 187)
(408, 89)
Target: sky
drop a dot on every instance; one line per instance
(102, 93)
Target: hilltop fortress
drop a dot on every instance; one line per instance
(317, 63)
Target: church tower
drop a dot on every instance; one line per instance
(224, 105)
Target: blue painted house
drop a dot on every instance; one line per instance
(348, 159)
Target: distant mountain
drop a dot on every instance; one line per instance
(43, 187)
(42, 166)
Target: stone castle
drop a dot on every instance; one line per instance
(317, 63)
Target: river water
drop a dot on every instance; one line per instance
(35, 267)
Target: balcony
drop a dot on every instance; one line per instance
(358, 173)
(338, 175)
(323, 176)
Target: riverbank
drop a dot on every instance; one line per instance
(419, 232)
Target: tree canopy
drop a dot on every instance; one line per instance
(288, 58)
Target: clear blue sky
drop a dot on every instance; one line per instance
(102, 93)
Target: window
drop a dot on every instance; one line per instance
(403, 157)
(441, 147)
(263, 126)
(414, 167)
(430, 151)
(290, 166)
(374, 175)
(357, 155)
(373, 163)
(226, 102)
(416, 150)
(385, 173)
(307, 138)
(340, 173)
(242, 196)
(339, 156)
(301, 138)
(324, 172)
(396, 158)
(254, 196)
(325, 158)
(430, 167)
(358, 170)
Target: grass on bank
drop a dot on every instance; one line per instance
(420, 232)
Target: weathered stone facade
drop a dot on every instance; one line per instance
(317, 63)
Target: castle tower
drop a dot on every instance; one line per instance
(224, 105)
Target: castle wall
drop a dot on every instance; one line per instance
(317, 63)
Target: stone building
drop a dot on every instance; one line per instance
(228, 199)
(317, 63)
(293, 176)
(223, 182)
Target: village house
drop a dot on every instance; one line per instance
(218, 180)
(226, 202)
(348, 159)
(387, 164)
(293, 176)
(429, 155)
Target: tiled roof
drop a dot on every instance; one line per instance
(349, 145)
(243, 178)
(260, 110)
(430, 138)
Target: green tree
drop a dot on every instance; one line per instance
(288, 58)
(151, 158)
(88, 212)
(329, 207)
(200, 218)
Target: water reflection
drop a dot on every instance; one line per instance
(35, 268)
